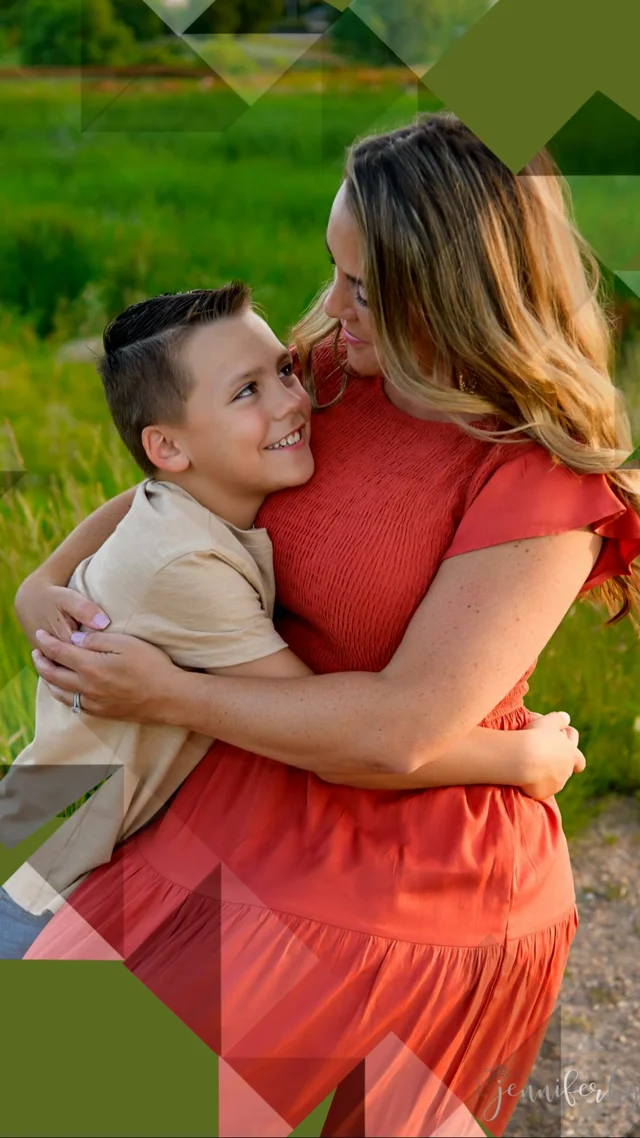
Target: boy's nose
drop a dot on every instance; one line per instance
(291, 401)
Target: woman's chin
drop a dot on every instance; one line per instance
(363, 359)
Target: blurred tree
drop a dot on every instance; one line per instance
(223, 16)
(10, 13)
(140, 18)
(353, 37)
(10, 24)
(239, 16)
(60, 33)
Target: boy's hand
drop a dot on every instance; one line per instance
(41, 604)
(554, 755)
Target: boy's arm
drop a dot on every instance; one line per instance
(282, 665)
(43, 601)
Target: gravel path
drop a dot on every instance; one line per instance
(594, 1037)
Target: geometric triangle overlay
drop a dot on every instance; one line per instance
(631, 279)
(9, 479)
(486, 76)
(257, 62)
(398, 1085)
(600, 138)
(414, 41)
(243, 1111)
(178, 14)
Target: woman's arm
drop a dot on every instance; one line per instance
(494, 758)
(57, 609)
(539, 759)
(487, 615)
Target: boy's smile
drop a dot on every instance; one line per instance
(246, 427)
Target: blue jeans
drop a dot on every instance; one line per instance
(18, 927)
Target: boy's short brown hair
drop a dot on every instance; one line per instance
(144, 378)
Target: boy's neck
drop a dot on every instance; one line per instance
(237, 511)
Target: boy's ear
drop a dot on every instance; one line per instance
(163, 451)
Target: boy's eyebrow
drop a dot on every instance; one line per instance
(353, 280)
(257, 372)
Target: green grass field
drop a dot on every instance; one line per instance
(90, 221)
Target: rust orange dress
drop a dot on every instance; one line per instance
(406, 947)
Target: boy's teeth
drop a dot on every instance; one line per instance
(289, 441)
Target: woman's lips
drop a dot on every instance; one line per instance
(350, 338)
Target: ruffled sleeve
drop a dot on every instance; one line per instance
(530, 496)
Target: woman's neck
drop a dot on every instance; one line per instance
(414, 409)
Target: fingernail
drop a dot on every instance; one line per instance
(78, 638)
(99, 621)
(40, 634)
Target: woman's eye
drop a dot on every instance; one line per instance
(360, 298)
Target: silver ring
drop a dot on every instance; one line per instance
(77, 706)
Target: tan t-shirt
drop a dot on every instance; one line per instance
(179, 577)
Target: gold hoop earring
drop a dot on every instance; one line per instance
(469, 386)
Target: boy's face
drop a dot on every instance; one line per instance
(245, 399)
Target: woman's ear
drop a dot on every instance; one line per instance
(163, 451)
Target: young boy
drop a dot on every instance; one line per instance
(205, 398)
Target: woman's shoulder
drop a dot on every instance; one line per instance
(523, 491)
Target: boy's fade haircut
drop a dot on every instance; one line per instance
(144, 378)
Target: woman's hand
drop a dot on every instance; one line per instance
(42, 604)
(554, 755)
(117, 677)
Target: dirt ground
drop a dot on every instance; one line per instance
(594, 1037)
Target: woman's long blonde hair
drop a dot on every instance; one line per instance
(489, 269)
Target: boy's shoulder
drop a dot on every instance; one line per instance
(164, 530)
(168, 523)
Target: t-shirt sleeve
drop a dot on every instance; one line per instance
(530, 496)
(204, 613)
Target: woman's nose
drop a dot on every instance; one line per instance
(338, 304)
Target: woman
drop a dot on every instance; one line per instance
(403, 944)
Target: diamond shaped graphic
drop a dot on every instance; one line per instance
(399, 1085)
(179, 14)
(251, 64)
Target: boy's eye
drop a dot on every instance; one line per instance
(248, 390)
(287, 370)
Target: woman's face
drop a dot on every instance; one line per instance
(347, 300)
